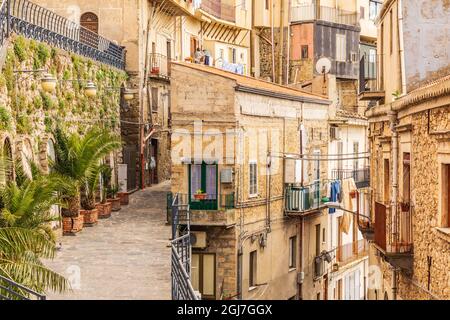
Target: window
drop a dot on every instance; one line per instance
(232, 55)
(445, 196)
(340, 147)
(305, 52)
(374, 9)
(356, 155)
(363, 12)
(387, 179)
(267, 4)
(318, 244)
(203, 274)
(292, 252)
(203, 177)
(406, 177)
(155, 99)
(252, 269)
(89, 21)
(341, 47)
(324, 236)
(253, 174)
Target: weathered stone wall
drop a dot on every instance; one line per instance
(29, 115)
(265, 53)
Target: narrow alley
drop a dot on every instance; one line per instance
(123, 257)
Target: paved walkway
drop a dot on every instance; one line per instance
(123, 257)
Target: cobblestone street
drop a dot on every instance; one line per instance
(123, 257)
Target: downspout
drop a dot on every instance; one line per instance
(392, 122)
(401, 45)
(280, 58)
(288, 50)
(272, 22)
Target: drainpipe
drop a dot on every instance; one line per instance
(392, 121)
(288, 50)
(401, 45)
(280, 58)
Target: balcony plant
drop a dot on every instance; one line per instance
(76, 159)
(200, 195)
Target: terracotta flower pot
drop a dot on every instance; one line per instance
(104, 210)
(72, 225)
(115, 202)
(124, 199)
(90, 217)
(200, 196)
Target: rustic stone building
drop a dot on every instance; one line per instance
(231, 137)
(409, 154)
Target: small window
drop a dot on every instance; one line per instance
(267, 5)
(324, 235)
(253, 179)
(305, 52)
(363, 13)
(341, 47)
(391, 32)
(318, 244)
(292, 252)
(155, 99)
(252, 269)
(445, 196)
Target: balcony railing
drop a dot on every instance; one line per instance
(210, 202)
(38, 23)
(360, 176)
(304, 199)
(181, 269)
(10, 290)
(159, 66)
(312, 12)
(219, 9)
(352, 251)
(393, 233)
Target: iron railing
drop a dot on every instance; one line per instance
(368, 75)
(209, 202)
(181, 267)
(360, 176)
(219, 9)
(306, 198)
(10, 290)
(311, 12)
(38, 23)
(393, 232)
(159, 65)
(352, 251)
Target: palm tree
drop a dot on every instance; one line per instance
(77, 162)
(25, 234)
(21, 251)
(27, 201)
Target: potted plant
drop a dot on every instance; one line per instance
(104, 208)
(76, 158)
(113, 198)
(88, 199)
(124, 197)
(200, 195)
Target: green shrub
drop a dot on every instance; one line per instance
(24, 125)
(47, 101)
(20, 48)
(5, 119)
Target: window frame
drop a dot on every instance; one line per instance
(293, 253)
(250, 189)
(201, 273)
(155, 100)
(253, 269)
(341, 47)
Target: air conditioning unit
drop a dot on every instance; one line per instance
(335, 133)
(226, 175)
(198, 239)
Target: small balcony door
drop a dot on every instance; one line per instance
(203, 179)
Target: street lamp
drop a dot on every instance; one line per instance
(128, 95)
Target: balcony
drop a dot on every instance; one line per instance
(360, 176)
(213, 210)
(350, 252)
(304, 200)
(219, 9)
(393, 234)
(159, 66)
(368, 83)
(311, 12)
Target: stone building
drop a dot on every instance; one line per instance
(409, 153)
(232, 138)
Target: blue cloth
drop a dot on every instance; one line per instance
(335, 194)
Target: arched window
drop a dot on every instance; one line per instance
(89, 21)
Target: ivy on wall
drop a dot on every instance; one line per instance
(30, 109)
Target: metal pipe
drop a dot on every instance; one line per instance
(401, 45)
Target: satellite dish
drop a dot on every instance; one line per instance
(323, 65)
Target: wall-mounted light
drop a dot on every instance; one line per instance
(48, 82)
(128, 95)
(90, 90)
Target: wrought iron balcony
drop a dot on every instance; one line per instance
(368, 82)
(208, 209)
(360, 176)
(311, 12)
(219, 9)
(393, 234)
(351, 251)
(181, 269)
(304, 200)
(159, 66)
(38, 23)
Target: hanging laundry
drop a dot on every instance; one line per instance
(335, 191)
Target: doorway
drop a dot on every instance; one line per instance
(153, 161)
